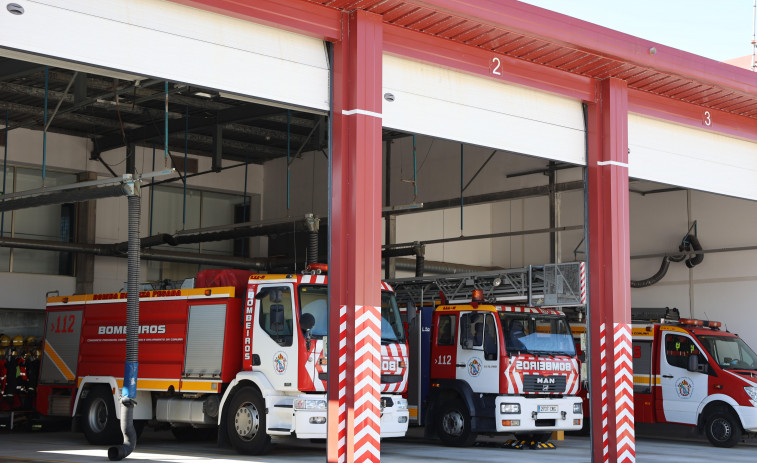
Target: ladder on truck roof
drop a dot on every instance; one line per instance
(549, 285)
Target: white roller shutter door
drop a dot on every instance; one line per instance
(155, 38)
(698, 159)
(456, 106)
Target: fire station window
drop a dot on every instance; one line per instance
(678, 348)
(446, 336)
(276, 313)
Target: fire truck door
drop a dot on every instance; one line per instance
(274, 338)
(682, 390)
(477, 352)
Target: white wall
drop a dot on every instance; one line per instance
(721, 287)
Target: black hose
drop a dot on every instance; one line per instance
(654, 278)
(419, 265)
(692, 262)
(312, 247)
(129, 392)
(119, 452)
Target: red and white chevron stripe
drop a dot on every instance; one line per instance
(603, 380)
(367, 426)
(624, 422)
(582, 271)
(342, 418)
(519, 309)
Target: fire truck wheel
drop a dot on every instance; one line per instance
(722, 428)
(454, 426)
(245, 422)
(98, 418)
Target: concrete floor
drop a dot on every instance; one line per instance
(154, 446)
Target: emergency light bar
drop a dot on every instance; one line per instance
(693, 322)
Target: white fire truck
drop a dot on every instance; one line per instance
(691, 372)
(480, 365)
(244, 360)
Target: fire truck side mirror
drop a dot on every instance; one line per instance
(307, 321)
(694, 365)
(465, 341)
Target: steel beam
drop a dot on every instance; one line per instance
(611, 379)
(355, 233)
(148, 132)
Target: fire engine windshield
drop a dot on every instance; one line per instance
(536, 334)
(731, 353)
(314, 300)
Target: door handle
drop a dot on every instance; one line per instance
(460, 365)
(667, 376)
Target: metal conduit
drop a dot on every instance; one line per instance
(70, 196)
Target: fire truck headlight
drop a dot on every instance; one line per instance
(751, 392)
(401, 404)
(509, 409)
(578, 408)
(309, 404)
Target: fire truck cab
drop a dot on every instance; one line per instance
(691, 372)
(500, 369)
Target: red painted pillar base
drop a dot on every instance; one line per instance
(354, 349)
(612, 421)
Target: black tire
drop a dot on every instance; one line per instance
(533, 436)
(189, 433)
(722, 428)
(245, 422)
(454, 425)
(98, 418)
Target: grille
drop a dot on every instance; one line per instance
(391, 379)
(538, 383)
(545, 423)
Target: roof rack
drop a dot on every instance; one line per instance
(550, 285)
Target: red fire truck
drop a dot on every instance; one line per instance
(480, 366)
(691, 372)
(247, 362)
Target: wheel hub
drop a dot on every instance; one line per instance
(721, 429)
(452, 423)
(98, 415)
(247, 421)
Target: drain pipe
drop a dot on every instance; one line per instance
(312, 223)
(420, 258)
(129, 392)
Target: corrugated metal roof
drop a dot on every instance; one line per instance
(438, 18)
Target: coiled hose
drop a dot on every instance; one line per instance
(129, 392)
(689, 242)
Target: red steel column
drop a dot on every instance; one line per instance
(355, 229)
(612, 421)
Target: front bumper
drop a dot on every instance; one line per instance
(312, 423)
(538, 414)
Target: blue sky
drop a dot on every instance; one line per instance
(717, 29)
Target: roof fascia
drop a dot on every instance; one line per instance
(692, 115)
(453, 55)
(585, 36)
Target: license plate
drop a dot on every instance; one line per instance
(547, 409)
